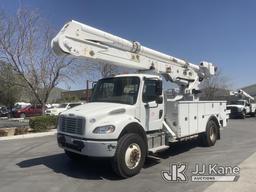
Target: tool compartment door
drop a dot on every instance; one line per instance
(193, 116)
(202, 117)
(183, 118)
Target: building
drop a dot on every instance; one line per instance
(76, 95)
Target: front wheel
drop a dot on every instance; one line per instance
(243, 115)
(210, 136)
(130, 155)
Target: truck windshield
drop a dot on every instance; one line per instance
(117, 90)
(236, 103)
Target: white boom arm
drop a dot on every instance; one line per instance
(242, 93)
(81, 40)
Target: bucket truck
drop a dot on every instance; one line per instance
(130, 116)
(243, 104)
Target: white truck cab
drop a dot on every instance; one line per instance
(241, 104)
(241, 108)
(117, 102)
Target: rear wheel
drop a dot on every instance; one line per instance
(209, 137)
(130, 155)
(243, 115)
(22, 115)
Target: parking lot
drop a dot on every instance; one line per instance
(38, 164)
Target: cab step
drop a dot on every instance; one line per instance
(158, 149)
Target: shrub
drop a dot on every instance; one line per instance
(3, 133)
(43, 123)
(21, 130)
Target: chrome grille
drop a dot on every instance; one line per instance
(74, 125)
(233, 109)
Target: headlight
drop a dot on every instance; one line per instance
(104, 129)
(239, 109)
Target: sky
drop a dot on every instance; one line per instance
(219, 31)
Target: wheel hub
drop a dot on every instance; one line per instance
(132, 156)
(212, 134)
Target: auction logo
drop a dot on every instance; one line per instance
(175, 173)
(201, 173)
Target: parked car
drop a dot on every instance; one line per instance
(19, 105)
(62, 107)
(53, 105)
(5, 111)
(29, 111)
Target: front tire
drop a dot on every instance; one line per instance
(130, 155)
(243, 115)
(209, 137)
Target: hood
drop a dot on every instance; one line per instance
(96, 108)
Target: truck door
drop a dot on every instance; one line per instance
(153, 107)
(247, 107)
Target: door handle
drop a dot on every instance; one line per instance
(160, 113)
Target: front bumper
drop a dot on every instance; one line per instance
(92, 148)
(235, 114)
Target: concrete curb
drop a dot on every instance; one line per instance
(29, 135)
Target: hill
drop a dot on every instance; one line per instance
(251, 89)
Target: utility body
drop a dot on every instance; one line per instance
(242, 105)
(130, 116)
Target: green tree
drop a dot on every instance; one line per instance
(9, 90)
(25, 45)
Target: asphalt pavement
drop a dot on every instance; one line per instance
(37, 164)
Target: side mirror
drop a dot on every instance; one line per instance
(159, 100)
(159, 88)
(194, 91)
